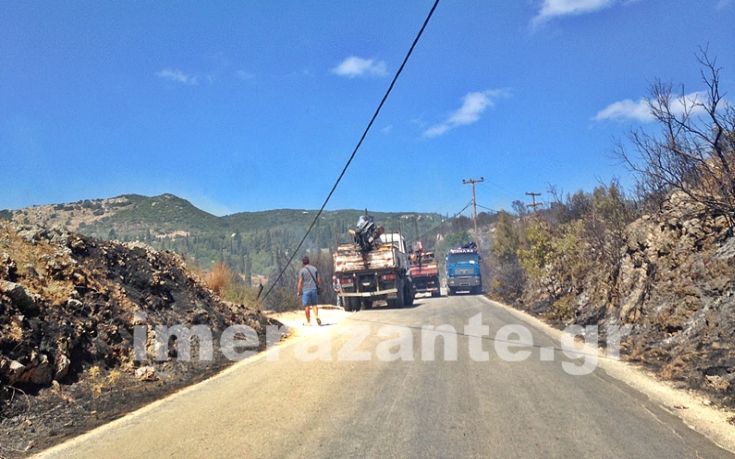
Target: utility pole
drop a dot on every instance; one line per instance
(416, 228)
(473, 182)
(534, 204)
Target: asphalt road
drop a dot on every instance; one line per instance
(462, 408)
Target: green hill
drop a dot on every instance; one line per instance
(251, 243)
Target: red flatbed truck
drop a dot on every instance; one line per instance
(424, 272)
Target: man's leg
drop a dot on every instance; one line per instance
(308, 316)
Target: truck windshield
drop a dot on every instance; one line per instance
(462, 258)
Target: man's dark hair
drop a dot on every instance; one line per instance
(305, 260)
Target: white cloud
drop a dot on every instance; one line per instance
(355, 66)
(177, 76)
(473, 105)
(387, 129)
(640, 110)
(722, 4)
(556, 8)
(626, 109)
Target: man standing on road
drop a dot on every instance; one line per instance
(307, 289)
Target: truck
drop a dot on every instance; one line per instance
(374, 267)
(463, 270)
(424, 272)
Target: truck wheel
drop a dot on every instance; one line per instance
(398, 301)
(366, 304)
(352, 304)
(408, 295)
(436, 294)
(450, 291)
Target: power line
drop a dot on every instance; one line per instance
(422, 235)
(487, 208)
(357, 147)
(463, 209)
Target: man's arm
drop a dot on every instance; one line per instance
(300, 285)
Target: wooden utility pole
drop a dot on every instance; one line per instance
(416, 228)
(534, 204)
(474, 198)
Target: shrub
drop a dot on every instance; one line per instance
(219, 278)
(536, 250)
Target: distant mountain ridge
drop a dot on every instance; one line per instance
(249, 242)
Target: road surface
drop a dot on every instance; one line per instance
(462, 408)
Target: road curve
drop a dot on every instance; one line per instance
(460, 408)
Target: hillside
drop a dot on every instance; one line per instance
(68, 308)
(668, 275)
(250, 243)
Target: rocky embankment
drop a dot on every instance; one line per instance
(68, 305)
(675, 285)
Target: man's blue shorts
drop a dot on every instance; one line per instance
(309, 297)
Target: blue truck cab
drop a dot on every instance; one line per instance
(463, 270)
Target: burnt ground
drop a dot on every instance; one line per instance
(68, 305)
(675, 288)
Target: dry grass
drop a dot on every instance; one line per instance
(114, 377)
(16, 331)
(100, 384)
(219, 278)
(95, 372)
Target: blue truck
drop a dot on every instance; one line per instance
(463, 270)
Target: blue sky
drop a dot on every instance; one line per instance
(256, 105)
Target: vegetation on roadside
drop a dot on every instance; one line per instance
(693, 156)
(661, 261)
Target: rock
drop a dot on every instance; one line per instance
(146, 373)
(36, 372)
(727, 250)
(8, 268)
(57, 268)
(139, 318)
(39, 371)
(18, 295)
(31, 271)
(74, 303)
(717, 382)
(63, 364)
(32, 233)
(77, 245)
(200, 316)
(79, 278)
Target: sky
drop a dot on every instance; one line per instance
(242, 106)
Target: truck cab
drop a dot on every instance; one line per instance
(463, 271)
(425, 272)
